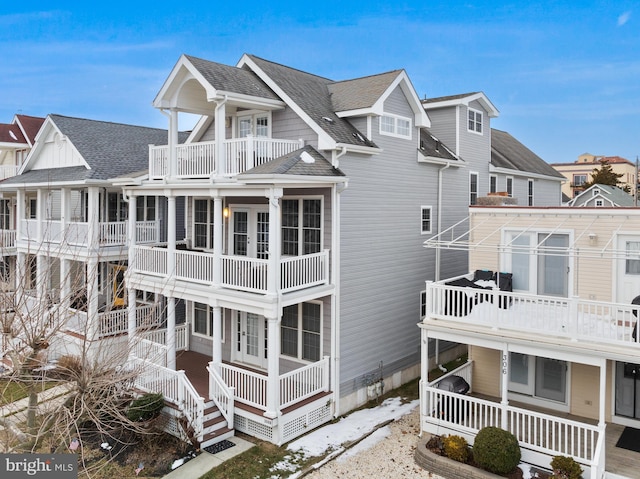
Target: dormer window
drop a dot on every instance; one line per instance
(596, 192)
(475, 121)
(393, 125)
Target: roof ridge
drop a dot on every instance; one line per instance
(398, 71)
(290, 68)
(106, 122)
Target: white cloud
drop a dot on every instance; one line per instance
(624, 18)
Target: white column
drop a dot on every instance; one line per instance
(40, 214)
(173, 142)
(93, 219)
(216, 356)
(65, 283)
(20, 212)
(92, 328)
(424, 373)
(218, 223)
(42, 276)
(273, 367)
(21, 278)
(603, 393)
(504, 384)
(131, 298)
(219, 126)
(273, 279)
(171, 235)
(171, 333)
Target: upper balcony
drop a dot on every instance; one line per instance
(201, 160)
(240, 273)
(607, 324)
(77, 233)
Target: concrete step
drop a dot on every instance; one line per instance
(216, 436)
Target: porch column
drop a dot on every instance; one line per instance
(40, 214)
(273, 367)
(171, 333)
(273, 279)
(424, 371)
(21, 278)
(216, 355)
(65, 213)
(65, 283)
(20, 213)
(93, 220)
(42, 275)
(93, 323)
(131, 293)
(504, 386)
(603, 393)
(220, 133)
(173, 142)
(217, 243)
(171, 235)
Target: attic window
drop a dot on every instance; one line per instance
(475, 121)
(394, 125)
(596, 192)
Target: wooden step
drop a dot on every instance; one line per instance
(216, 436)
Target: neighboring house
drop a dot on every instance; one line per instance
(603, 196)
(555, 337)
(497, 162)
(16, 140)
(69, 228)
(579, 172)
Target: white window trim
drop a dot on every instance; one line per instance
(423, 304)
(531, 191)
(477, 175)
(506, 186)
(481, 132)
(209, 312)
(494, 179)
(300, 220)
(422, 209)
(599, 202)
(298, 358)
(395, 126)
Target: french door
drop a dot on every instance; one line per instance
(251, 342)
(250, 232)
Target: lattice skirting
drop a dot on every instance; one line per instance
(295, 426)
(253, 428)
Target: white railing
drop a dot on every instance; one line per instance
(29, 230)
(194, 265)
(7, 239)
(160, 336)
(243, 273)
(77, 233)
(221, 395)
(250, 387)
(304, 271)
(305, 382)
(114, 233)
(147, 232)
(113, 322)
(7, 171)
(182, 337)
(175, 387)
(571, 318)
(150, 351)
(150, 260)
(199, 160)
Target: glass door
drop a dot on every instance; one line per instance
(251, 339)
(628, 390)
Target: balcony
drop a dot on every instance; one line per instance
(115, 321)
(501, 312)
(7, 171)
(199, 160)
(7, 239)
(239, 273)
(77, 233)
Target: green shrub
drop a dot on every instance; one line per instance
(456, 448)
(565, 467)
(496, 450)
(145, 407)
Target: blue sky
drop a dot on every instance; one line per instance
(565, 77)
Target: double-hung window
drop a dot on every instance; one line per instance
(5, 215)
(301, 226)
(509, 186)
(425, 219)
(301, 331)
(203, 223)
(394, 125)
(203, 320)
(473, 188)
(146, 208)
(475, 121)
(530, 192)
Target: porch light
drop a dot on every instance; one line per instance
(225, 212)
(592, 238)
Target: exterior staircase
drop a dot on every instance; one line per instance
(214, 427)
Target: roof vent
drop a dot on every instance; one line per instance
(437, 145)
(359, 137)
(328, 120)
(307, 158)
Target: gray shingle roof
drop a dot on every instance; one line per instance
(450, 97)
(360, 92)
(294, 164)
(507, 152)
(232, 79)
(311, 93)
(110, 149)
(431, 147)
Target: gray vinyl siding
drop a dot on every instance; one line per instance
(443, 126)
(475, 149)
(287, 125)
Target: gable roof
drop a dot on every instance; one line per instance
(360, 93)
(508, 153)
(306, 161)
(109, 150)
(21, 131)
(611, 194)
(462, 99)
(11, 135)
(310, 93)
(30, 125)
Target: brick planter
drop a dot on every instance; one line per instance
(445, 467)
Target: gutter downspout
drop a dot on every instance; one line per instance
(336, 156)
(438, 252)
(219, 118)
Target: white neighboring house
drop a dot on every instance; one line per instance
(599, 196)
(16, 140)
(553, 349)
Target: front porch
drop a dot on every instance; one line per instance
(542, 432)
